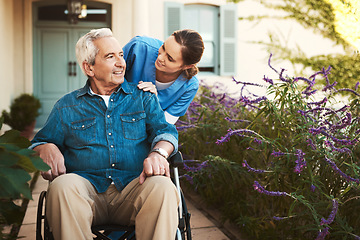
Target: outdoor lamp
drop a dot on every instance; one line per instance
(76, 9)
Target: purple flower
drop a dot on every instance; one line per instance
(357, 86)
(268, 80)
(235, 120)
(331, 217)
(197, 168)
(340, 150)
(250, 169)
(247, 83)
(333, 165)
(312, 188)
(311, 83)
(261, 189)
(348, 90)
(311, 144)
(278, 218)
(323, 234)
(300, 161)
(189, 178)
(277, 154)
(239, 132)
(319, 103)
(180, 128)
(257, 141)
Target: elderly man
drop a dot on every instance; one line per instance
(107, 145)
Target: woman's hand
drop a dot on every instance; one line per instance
(147, 87)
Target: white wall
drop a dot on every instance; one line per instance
(6, 54)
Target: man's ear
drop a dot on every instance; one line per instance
(88, 69)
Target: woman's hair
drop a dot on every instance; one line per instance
(192, 49)
(85, 48)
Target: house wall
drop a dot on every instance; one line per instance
(7, 79)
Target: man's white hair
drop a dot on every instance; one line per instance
(85, 48)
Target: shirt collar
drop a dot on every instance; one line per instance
(86, 89)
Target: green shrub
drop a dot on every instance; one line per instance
(281, 168)
(23, 112)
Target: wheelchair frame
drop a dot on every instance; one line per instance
(102, 231)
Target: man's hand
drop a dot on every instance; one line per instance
(154, 165)
(52, 156)
(147, 87)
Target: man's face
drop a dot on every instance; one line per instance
(109, 67)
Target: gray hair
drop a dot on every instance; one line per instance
(86, 50)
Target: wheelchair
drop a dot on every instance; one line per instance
(103, 232)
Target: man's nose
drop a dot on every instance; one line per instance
(120, 61)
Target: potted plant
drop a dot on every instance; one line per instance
(23, 113)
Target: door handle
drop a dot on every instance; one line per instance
(70, 69)
(74, 68)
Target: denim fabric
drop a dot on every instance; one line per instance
(106, 144)
(140, 54)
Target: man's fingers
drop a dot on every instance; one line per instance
(142, 178)
(167, 171)
(47, 175)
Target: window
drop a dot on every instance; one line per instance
(59, 13)
(217, 26)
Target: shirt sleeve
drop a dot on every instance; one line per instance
(52, 132)
(140, 54)
(158, 128)
(180, 107)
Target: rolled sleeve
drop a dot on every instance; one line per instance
(166, 137)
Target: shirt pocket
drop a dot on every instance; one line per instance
(83, 131)
(134, 125)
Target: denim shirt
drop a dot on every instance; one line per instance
(106, 144)
(140, 54)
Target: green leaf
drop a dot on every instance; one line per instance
(14, 183)
(13, 137)
(30, 162)
(7, 159)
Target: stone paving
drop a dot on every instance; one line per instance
(201, 226)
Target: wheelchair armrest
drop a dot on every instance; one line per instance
(176, 159)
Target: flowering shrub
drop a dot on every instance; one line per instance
(284, 167)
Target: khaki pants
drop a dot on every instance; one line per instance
(73, 205)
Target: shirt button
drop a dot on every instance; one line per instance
(113, 165)
(111, 100)
(112, 146)
(109, 134)
(109, 176)
(83, 126)
(133, 119)
(108, 116)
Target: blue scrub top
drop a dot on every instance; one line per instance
(140, 55)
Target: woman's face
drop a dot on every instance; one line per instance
(170, 59)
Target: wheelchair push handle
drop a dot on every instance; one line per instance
(176, 159)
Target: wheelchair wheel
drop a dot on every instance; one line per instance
(184, 229)
(42, 234)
